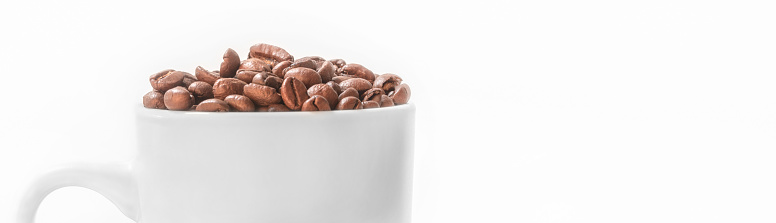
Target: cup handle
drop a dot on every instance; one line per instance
(114, 181)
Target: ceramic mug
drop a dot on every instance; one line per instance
(291, 167)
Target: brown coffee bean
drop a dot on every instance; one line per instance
(246, 75)
(316, 103)
(206, 76)
(356, 70)
(280, 68)
(254, 64)
(308, 76)
(154, 99)
(335, 86)
(178, 98)
(385, 101)
(340, 79)
(294, 93)
(227, 86)
(269, 53)
(239, 103)
(361, 85)
(317, 59)
(166, 80)
(338, 62)
(327, 70)
(274, 82)
(304, 62)
(278, 108)
(387, 82)
(350, 92)
(370, 104)
(262, 95)
(188, 79)
(230, 65)
(213, 105)
(326, 91)
(373, 94)
(201, 91)
(349, 103)
(401, 95)
(258, 78)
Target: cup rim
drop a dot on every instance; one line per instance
(164, 113)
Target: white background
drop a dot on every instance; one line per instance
(545, 111)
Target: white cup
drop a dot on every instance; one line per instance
(283, 167)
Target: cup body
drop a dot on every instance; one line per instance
(288, 167)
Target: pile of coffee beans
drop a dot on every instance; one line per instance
(271, 80)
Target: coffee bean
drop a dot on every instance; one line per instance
(349, 103)
(325, 91)
(178, 98)
(239, 103)
(401, 95)
(247, 75)
(278, 108)
(338, 62)
(274, 82)
(304, 62)
(350, 92)
(387, 82)
(385, 101)
(316, 103)
(280, 68)
(227, 86)
(294, 93)
(361, 85)
(269, 53)
(188, 79)
(201, 91)
(317, 59)
(154, 99)
(262, 95)
(356, 70)
(206, 76)
(340, 79)
(373, 94)
(327, 70)
(213, 105)
(254, 64)
(334, 86)
(166, 80)
(370, 104)
(308, 76)
(258, 78)
(230, 65)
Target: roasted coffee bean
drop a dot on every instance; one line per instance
(385, 101)
(166, 80)
(338, 62)
(206, 76)
(340, 79)
(308, 76)
(230, 65)
(356, 70)
(373, 94)
(326, 91)
(254, 64)
(247, 75)
(154, 99)
(316, 103)
(178, 98)
(259, 78)
(326, 70)
(280, 68)
(201, 91)
(188, 79)
(262, 95)
(387, 82)
(213, 105)
(401, 95)
(227, 86)
(361, 85)
(304, 62)
(240, 103)
(335, 86)
(349, 103)
(294, 93)
(274, 82)
(269, 53)
(370, 104)
(317, 59)
(350, 92)
(278, 108)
